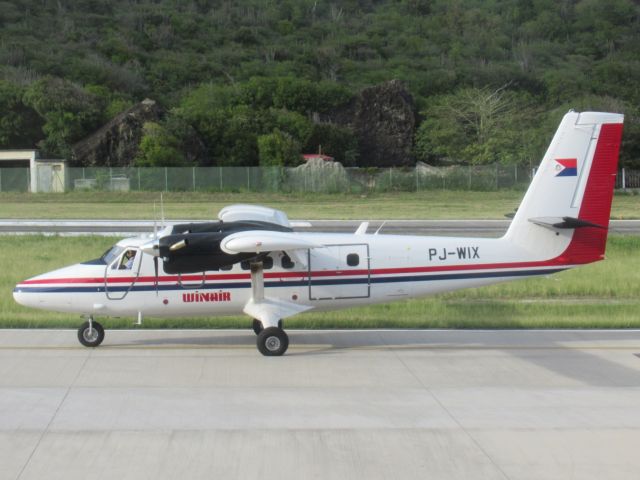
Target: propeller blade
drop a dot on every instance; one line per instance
(155, 271)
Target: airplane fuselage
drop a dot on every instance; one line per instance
(349, 270)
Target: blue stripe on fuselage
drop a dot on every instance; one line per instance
(291, 283)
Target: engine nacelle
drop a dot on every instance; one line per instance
(192, 248)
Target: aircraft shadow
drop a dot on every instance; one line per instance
(576, 354)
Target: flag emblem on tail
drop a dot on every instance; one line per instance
(566, 167)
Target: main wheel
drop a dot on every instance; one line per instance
(257, 326)
(91, 336)
(273, 342)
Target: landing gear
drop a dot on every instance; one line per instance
(273, 342)
(91, 334)
(257, 326)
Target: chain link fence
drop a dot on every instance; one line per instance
(275, 179)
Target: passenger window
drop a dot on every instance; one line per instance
(353, 260)
(286, 262)
(226, 267)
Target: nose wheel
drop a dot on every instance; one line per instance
(273, 342)
(91, 334)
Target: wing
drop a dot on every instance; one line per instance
(257, 241)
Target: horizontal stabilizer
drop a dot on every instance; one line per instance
(563, 222)
(258, 241)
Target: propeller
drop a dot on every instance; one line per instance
(154, 247)
(155, 271)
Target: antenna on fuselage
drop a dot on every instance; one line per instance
(155, 221)
(162, 209)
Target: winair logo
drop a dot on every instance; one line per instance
(566, 167)
(206, 297)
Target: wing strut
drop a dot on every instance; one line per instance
(266, 309)
(257, 281)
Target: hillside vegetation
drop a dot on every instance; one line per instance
(249, 82)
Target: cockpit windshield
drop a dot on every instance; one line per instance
(111, 254)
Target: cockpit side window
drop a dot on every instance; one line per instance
(126, 262)
(111, 254)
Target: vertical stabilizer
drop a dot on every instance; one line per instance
(565, 212)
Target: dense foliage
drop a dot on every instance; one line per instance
(491, 78)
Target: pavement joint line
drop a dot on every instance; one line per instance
(451, 416)
(324, 347)
(55, 414)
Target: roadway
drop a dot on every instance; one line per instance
(483, 228)
(368, 405)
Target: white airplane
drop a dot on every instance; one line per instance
(252, 261)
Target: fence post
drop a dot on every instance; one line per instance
(469, 177)
(138, 178)
(497, 175)
(193, 171)
(166, 180)
(0, 179)
(248, 180)
(515, 175)
(220, 175)
(624, 182)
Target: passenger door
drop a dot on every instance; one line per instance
(339, 272)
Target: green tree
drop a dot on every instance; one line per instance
(278, 149)
(477, 126)
(69, 113)
(159, 148)
(338, 142)
(295, 124)
(20, 126)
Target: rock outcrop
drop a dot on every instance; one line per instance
(116, 143)
(383, 119)
(318, 175)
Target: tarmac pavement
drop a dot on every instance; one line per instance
(374, 404)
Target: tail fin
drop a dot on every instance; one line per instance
(565, 212)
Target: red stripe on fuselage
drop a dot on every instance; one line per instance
(283, 275)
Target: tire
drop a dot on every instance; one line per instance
(272, 342)
(257, 326)
(92, 339)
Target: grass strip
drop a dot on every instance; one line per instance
(427, 205)
(602, 295)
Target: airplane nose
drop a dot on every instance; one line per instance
(25, 293)
(20, 296)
